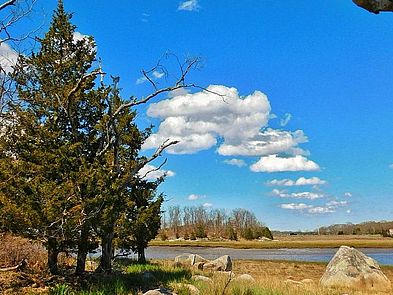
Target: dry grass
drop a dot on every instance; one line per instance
(14, 249)
(367, 241)
(271, 277)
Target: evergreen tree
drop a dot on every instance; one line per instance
(69, 153)
(47, 149)
(141, 220)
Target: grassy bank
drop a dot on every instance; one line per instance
(271, 278)
(287, 242)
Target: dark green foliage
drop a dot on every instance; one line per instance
(69, 155)
(248, 234)
(192, 236)
(200, 231)
(231, 233)
(47, 151)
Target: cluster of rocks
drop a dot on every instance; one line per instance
(223, 263)
(348, 269)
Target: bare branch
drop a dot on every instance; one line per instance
(155, 169)
(8, 3)
(83, 79)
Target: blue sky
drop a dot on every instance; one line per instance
(323, 75)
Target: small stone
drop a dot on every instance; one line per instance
(307, 281)
(202, 279)
(293, 282)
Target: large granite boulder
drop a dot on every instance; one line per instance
(375, 6)
(223, 263)
(190, 259)
(350, 268)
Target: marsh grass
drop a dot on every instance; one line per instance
(270, 279)
(366, 241)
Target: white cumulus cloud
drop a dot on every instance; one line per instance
(235, 162)
(299, 182)
(200, 120)
(273, 163)
(191, 5)
(151, 172)
(8, 58)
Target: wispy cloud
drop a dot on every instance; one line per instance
(299, 182)
(348, 194)
(155, 75)
(235, 162)
(329, 207)
(207, 205)
(301, 195)
(191, 5)
(194, 197)
(284, 121)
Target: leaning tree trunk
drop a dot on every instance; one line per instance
(107, 252)
(82, 251)
(53, 253)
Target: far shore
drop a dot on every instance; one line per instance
(300, 241)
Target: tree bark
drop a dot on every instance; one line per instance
(53, 253)
(105, 265)
(82, 251)
(141, 255)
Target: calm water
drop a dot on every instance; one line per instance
(383, 256)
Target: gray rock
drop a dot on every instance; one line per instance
(307, 281)
(245, 277)
(223, 263)
(293, 282)
(350, 268)
(202, 279)
(190, 259)
(160, 291)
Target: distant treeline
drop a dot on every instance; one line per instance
(364, 228)
(200, 222)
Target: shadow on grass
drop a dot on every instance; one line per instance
(129, 277)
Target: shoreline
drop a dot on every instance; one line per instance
(323, 244)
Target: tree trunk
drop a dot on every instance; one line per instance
(82, 251)
(53, 253)
(106, 252)
(141, 255)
